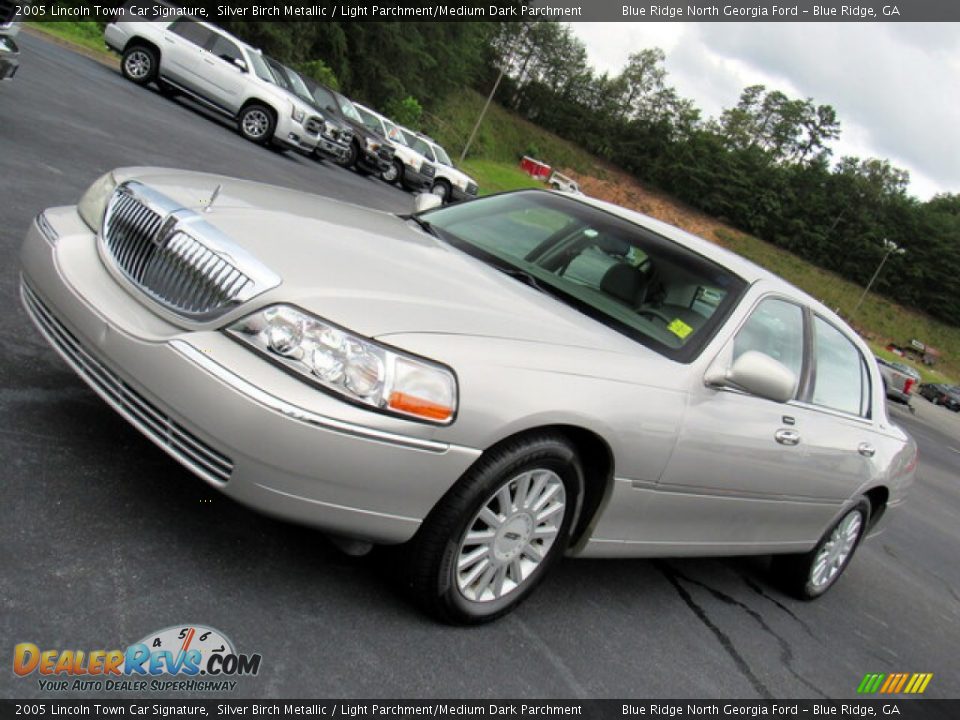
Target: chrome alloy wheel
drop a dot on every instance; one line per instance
(391, 173)
(510, 536)
(256, 123)
(138, 64)
(836, 551)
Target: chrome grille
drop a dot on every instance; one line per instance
(175, 257)
(159, 427)
(314, 125)
(427, 170)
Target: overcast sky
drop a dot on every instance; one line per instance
(895, 87)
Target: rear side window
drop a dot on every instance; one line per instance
(191, 31)
(841, 380)
(776, 329)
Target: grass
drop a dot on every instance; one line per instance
(83, 33)
(494, 177)
(878, 319)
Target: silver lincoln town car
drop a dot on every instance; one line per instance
(493, 384)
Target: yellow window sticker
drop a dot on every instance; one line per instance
(679, 328)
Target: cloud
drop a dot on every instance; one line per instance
(893, 85)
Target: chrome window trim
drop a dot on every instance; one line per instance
(307, 416)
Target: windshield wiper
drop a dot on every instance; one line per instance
(425, 224)
(524, 277)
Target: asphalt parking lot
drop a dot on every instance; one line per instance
(106, 539)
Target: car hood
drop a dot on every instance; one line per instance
(372, 272)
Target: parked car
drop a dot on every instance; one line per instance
(562, 183)
(335, 137)
(495, 383)
(451, 184)
(939, 394)
(220, 72)
(899, 379)
(9, 52)
(369, 151)
(410, 167)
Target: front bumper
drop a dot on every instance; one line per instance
(374, 161)
(458, 195)
(332, 149)
(9, 58)
(292, 134)
(276, 445)
(413, 179)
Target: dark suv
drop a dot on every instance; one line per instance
(369, 151)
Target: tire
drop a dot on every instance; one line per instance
(350, 159)
(139, 64)
(441, 188)
(481, 551)
(256, 123)
(394, 174)
(805, 576)
(935, 400)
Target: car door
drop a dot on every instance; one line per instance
(182, 55)
(225, 72)
(750, 474)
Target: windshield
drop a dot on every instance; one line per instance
(640, 283)
(260, 68)
(298, 86)
(393, 132)
(370, 120)
(348, 109)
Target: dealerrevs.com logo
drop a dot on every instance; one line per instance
(185, 658)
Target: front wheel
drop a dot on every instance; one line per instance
(441, 188)
(394, 173)
(810, 575)
(256, 124)
(497, 532)
(139, 64)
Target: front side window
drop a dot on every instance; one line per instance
(629, 278)
(775, 328)
(841, 382)
(192, 31)
(225, 50)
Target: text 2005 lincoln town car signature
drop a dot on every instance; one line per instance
(495, 383)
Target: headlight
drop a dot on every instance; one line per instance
(298, 114)
(372, 145)
(93, 204)
(353, 367)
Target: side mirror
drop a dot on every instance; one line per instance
(756, 373)
(240, 64)
(426, 201)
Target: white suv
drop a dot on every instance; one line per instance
(450, 184)
(218, 70)
(410, 167)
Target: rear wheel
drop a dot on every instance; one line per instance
(810, 575)
(256, 124)
(497, 532)
(139, 64)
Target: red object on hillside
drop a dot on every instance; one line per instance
(535, 168)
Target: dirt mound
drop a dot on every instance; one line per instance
(621, 189)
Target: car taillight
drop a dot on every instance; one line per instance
(908, 385)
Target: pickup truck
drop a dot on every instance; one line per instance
(9, 52)
(899, 380)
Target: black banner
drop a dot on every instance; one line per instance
(915, 709)
(500, 10)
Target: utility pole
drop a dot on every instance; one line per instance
(891, 248)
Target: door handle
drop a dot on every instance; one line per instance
(866, 449)
(787, 437)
